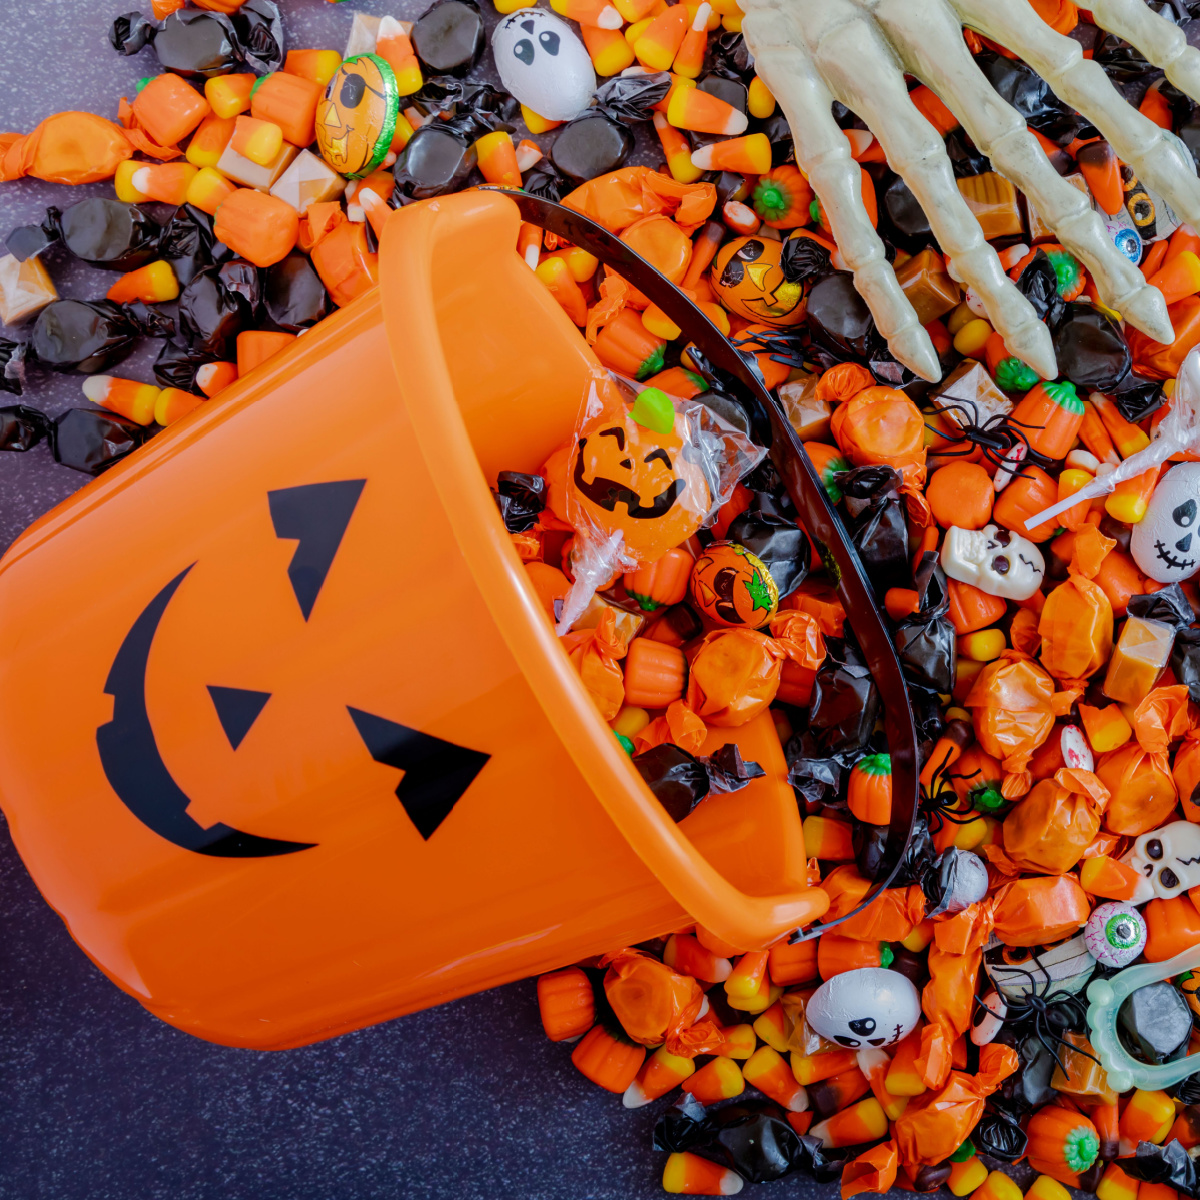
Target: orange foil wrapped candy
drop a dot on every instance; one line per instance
(1077, 629)
(1138, 774)
(1035, 912)
(882, 426)
(69, 147)
(934, 1125)
(890, 917)
(1050, 829)
(1013, 709)
(340, 253)
(649, 999)
(594, 654)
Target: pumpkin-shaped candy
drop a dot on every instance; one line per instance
(733, 587)
(356, 118)
(748, 279)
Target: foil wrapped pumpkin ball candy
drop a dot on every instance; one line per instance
(356, 118)
(1115, 933)
(869, 1007)
(732, 586)
(748, 278)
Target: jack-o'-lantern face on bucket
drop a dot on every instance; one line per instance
(748, 279)
(638, 480)
(356, 118)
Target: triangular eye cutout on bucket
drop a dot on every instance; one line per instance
(436, 772)
(237, 709)
(316, 514)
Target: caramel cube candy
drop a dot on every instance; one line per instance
(309, 180)
(25, 289)
(1138, 659)
(993, 200)
(969, 394)
(249, 174)
(928, 285)
(809, 416)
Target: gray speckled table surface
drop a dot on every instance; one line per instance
(100, 1100)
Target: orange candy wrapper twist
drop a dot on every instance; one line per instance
(69, 147)
(890, 917)
(594, 654)
(620, 198)
(872, 1171)
(1139, 773)
(935, 1124)
(882, 426)
(1050, 829)
(652, 1003)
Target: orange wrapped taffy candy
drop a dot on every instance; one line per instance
(339, 251)
(882, 426)
(1186, 773)
(1033, 912)
(663, 245)
(69, 147)
(622, 197)
(1050, 829)
(734, 673)
(890, 917)
(843, 382)
(649, 999)
(1139, 773)
(1013, 705)
(678, 725)
(934, 1125)
(594, 654)
(1076, 624)
(873, 1171)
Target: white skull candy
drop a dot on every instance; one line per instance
(868, 1007)
(993, 560)
(1164, 542)
(1168, 861)
(542, 62)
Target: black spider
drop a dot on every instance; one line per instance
(1048, 1015)
(939, 802)
(783, 346)
(998, 437)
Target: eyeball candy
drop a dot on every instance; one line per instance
(989, 1018)
(868, 1007)
(1163, 543)
(993, 560)
(542, 62)
(1115, 933)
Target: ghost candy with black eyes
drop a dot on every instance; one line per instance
(1164, 543)
(542, 62)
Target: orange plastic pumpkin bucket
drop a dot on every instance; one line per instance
(285, 737)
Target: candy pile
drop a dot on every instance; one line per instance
(1053, 661)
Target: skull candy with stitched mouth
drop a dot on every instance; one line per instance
(1164, 543)
(994, 560)
(869, 1007)
(1168, 861)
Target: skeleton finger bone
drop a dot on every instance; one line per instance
(928, 39)
(775, 34)
(1161, 163)
(857, 64)
(1161, 42)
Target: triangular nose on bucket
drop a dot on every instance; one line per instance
(426, 803)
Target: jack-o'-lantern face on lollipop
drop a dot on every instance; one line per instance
(635, 472)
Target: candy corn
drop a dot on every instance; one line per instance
(686, 956)
(677, 150)
(661, 39)
(748, 977)
(209, 189)
(230, 94)
(749, 155)
(1178, 278)
(1147, 1117)
(155, 283)
(831, 1095)
(759, 101)
(689, 58)
(259, 141)
(719, 1079)
(1108, 877)
(694, 109)
(125, 396)
(740, 1042)
(767, 1070)
(173, 403)
(903, 1077)
(498, 159)
(318, 65)
(661, 1072)
(862, 1122)
(165, 182)
(608, 49)
(690, 1175)
(966, 1176)
(209, 141)
(554, 273)
(811, 1068)
(589, 12)
(773, 1027)
(212, 378)
(1116, 1185)
(394, 46)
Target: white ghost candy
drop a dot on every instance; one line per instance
(1167, 859)
(542, 62)
(993, 560)
(1115, 933)
(1164, 543)
(867, 1007)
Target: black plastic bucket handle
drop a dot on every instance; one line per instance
(820, 518)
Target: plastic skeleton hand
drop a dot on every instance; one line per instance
(811, 52)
